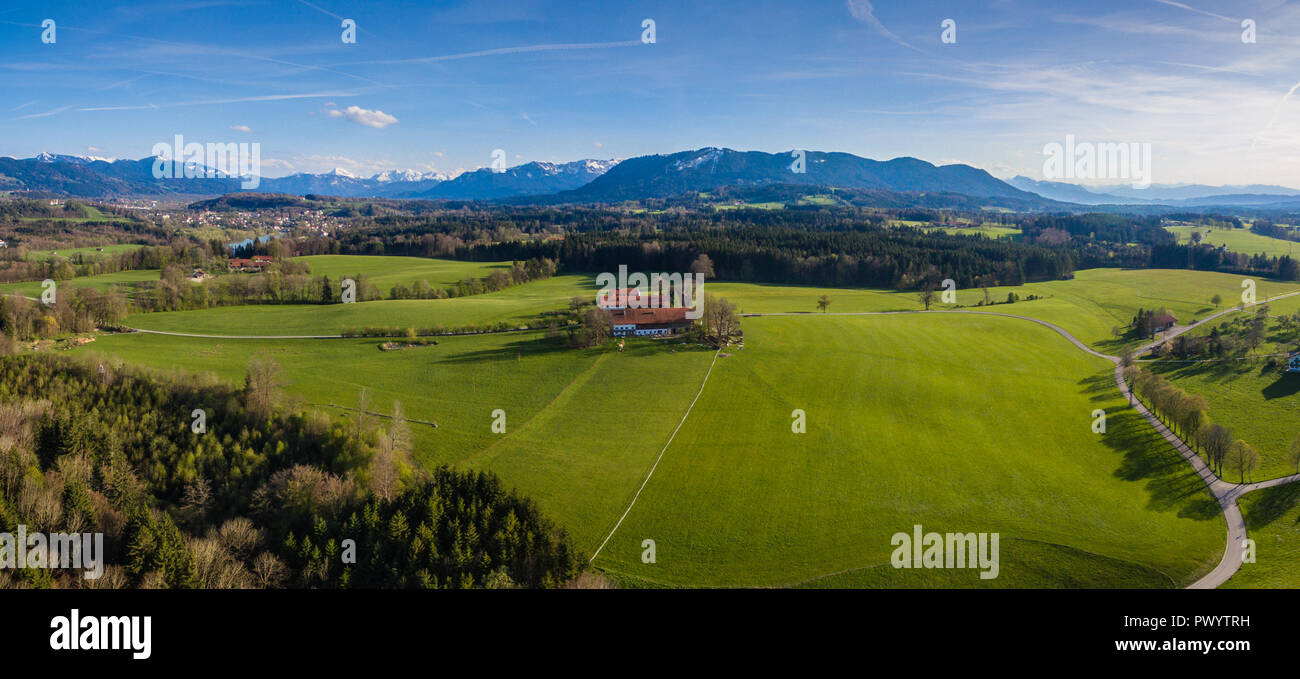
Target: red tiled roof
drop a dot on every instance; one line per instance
(648, 316)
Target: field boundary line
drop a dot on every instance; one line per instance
(579, 381)
(655, 466)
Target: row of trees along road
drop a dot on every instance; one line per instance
(1187, 415)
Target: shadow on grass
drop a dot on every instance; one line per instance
(1270, 504)
(1286, 385)
(542, 345)
(1210, 371)
(1100, 387)
(1171, 483)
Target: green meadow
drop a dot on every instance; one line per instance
(1238, 240)
(1088, 306)
(959, 423)
(101, 282)
(956, 423)
(1260, 405)
(1273, 522)
(582, 426)
(90, 253)
(518, 303)
(385, 272)
(455, 384)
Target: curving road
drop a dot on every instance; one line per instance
(1225, 493)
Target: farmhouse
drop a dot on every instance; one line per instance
(648, 322)
(244, 264)
(1163, 322)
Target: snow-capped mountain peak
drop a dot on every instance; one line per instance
(47, 157)
(408, 176)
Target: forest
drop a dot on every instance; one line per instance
(255, 493)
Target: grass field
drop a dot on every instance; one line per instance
(992, 231)
(102, 282)
(1260, 405)
(91, 253)
(90, 213)
(915, 428)
(1238, 240)
(1088, 305)
(955, 422)
(516, 303)
(385, 272)
(457, 383)
(1273, 521)
(582, 425)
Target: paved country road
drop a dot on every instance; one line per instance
(1225, 493)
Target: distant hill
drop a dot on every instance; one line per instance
(529, 179)
(337, 182)
(1180, 195)
(76, 176)
(705, 169)
(89, 178)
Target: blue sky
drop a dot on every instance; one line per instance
(438, 85)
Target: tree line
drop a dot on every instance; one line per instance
(1188, 416)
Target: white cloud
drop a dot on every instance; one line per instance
(376, 118)
(865, 13)
(241, 128)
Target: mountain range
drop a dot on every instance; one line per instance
(1190, 195)
(683, 173)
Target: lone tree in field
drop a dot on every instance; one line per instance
(720, 324)
(985, 282)
(927, 294)
(823, 302)
(1295, 453)
(1216, 300)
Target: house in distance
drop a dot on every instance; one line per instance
(1163, 322)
